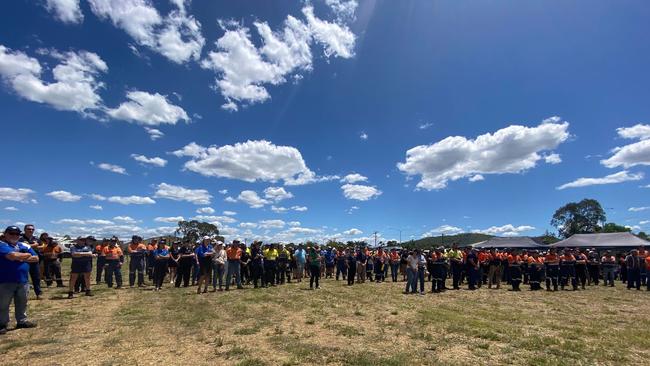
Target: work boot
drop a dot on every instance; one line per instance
(70, 295)
(26, 324)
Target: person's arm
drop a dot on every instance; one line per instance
(17, 256)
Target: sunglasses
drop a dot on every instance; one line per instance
(13, 233)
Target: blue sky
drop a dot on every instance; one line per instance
(322, 119)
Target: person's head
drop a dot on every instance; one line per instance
(12, 234)
(608, 253)
(135, 239)
(206, 240)
(219, 245)
(454, 245)
(29, 230)
(186, 244)
(44, 237)
(300, 246)
(80, 241)
(634, 252)
(53, 242)
(113, 241)
(161, 244)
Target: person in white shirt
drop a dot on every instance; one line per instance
(218, 266)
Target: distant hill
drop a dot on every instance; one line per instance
(463, 240)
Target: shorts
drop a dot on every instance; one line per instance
(205, 267)
(81, 267)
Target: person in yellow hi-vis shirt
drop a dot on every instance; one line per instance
(455, 257)
(270, 267)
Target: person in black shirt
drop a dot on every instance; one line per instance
(185, 262)
(352, 265)
(257, 264)
(244, 261)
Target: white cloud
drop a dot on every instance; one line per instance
(16, 194)
(638, 131)
(178, 193)
(177, 36)
(64, 196)
(553, 159)
(271, 224)
(131, 200)
(424, 126)
(352, 209)
(155, 161)
(74, 87)
(171, 220)
(83, 222)
(633, 227)
(277, 194)
(363, 136)
(111, 168)
(66, 11)
(476, 178)
(299, 208)
(230, 199)
(96, 207)
(148, 109)
(354, 178)
(293, 223)
(11, 208)
(252, 199)
(244, 70)
(154, 133)
(279, 209)
(343, 9)
(634, 154)
(360, 192)
(205, 210)
(443, 229)
(513, 149)
(223, 191)
(644, 222)
(250, 161)
(620, 177)
(638, 209)
(126, 219)
(230, 213)
(248, 225)
(353, 232)
(506, 230)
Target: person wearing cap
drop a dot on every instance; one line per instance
(301, 258)
(137, 251)
(114, 261)
(101, 261)
(161, 255)
(52, 254)
(270, 264)
(32, 241)
(173, 261)
(283, 264)
(233, 255)
(15, 259)
(244, 263)
(608, 263)
(218, 266)
(581, 268)
(438, 270)
(456, 260)
(472, 269)
(536, 270)
(257, 264)
(82, 264)
(568, 270)
(552, 265)
(314, 258)
(394, 260)
(514, 264)
(593, 267)
(186, 259)
(150, 259)
(204, 254)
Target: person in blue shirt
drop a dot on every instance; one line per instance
(82, 264)
(161, 256)
(32, 241)
(204, 254)
(301, 258)
(330, 257)
(15, 259)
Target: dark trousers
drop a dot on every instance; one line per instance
(184, 272)
(136, 265)
(352, 270)
(53, 269)
(257, 272)
(101, 262)
(420, 279)
(113, 268)
(472, 277)
(594, 273)
(515, 277)
(456, 271)
(581, 274)
(150, 263)
(341, 271)
(394, 268)
(314, 271)
(35, 274)
(281, 273)
(269, 272)
(633, 278)
(159, 272)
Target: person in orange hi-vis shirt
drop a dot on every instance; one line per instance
(535, 270)
(101, 260)
(568, 270)
(137, 253)
(552, 263)
(114, 260)
(52, 258)
(514, 265)
(494, 274)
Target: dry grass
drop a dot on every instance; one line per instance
(368, 324)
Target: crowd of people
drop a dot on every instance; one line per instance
(210, 263)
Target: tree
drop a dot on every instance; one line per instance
(643, 235)
(611, 227)
(193, 230)
(579, 218)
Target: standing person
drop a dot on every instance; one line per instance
(380, 262)
(314, 266)
(186, 260)
(494, 274)
(29, 239)
(438, 270)
(633, 270)
(173, 262)
(362, 259)
(370, 264)
(484, 267)
(161, 256)
(218, 266)
(623, 267)
(593, 266)
(196, 272)
(204, 254)
(403, 264)
(608, 263)
(234, 254)
(341, 265)
(270, 266)
(52, 255)
(514, 264)
(301, 258)
(411, 273)
(150, 259)
(351, 262)
(647, 267)
(422, 265)
(114, 261)
(15, 259)
(82, 264)
(456, 260)
(137, 252)
(568, 270)
(394, 264)
(283, 264)
(535, 270)
(101, 261)
(581, 268)
(257, 265)
(642, 254)
(330, 260)
(552, 263)
(244, 264)
(472, 269)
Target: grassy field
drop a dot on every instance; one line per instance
(367, 324)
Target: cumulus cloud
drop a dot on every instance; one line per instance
(247, 225)
(252, 199)
(178, 193)
(155, 161)
(281, 209)
(354, 178)
(360, 192)
(23, 195)
(353, 232)
(271, 224)
(277, 194)
(476, 178)
(66, 11)
(513, 149)
(64, 196)
(171, 220)
(634, 154)
(11, 208)
(363, 136)
(154, 133)
(96, 207)
(230, 213)
(127, 219)
(244, 71)
(424, 126)
(638, 209)
(443, 229)
(129, 200)
(177, 36)
(148, 109)
(75, 84)
(506, 230)
(212, 218)
(620, 177)
(553, 159)
(111, 168)
(249, 161)
(83, 222)
(205, 210)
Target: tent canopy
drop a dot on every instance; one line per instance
(523, 242)
(601, 240)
